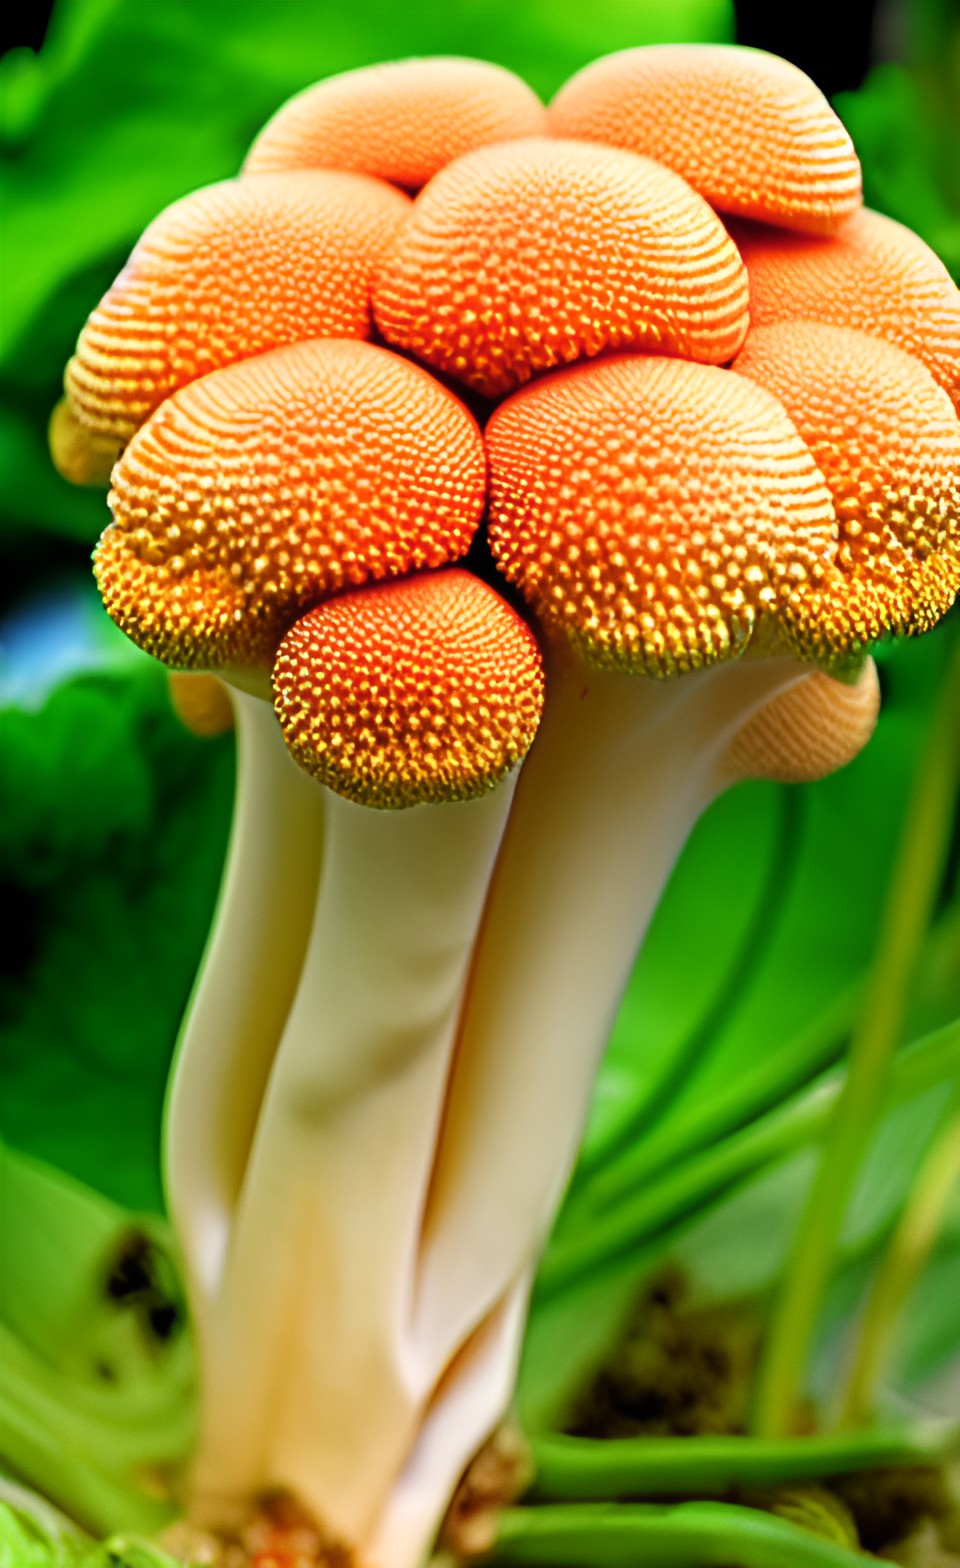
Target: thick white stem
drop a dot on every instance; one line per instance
(309, 1382)
(243, 993)
(619, 773)
(467, 1406)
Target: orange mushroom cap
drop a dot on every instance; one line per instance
(806, 732)
(228, 272)
(201, 702)
(534, 253)
(401, 121)
(653, 510)
(746, 129)
(887, 441)
(429, 689)
(266, 486)
(874, 274)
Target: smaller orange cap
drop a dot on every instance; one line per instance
(807, 732)
(746, 129)
(424, 690)
(887, 441)
(874, 275)
(400, 121)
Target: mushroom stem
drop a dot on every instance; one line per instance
(620, 771)
(465, 1410)
(243, 993)
(308, 1381)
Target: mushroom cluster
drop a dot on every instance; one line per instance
(607, 436)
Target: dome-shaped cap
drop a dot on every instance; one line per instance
(254, 493)
(874, 275)
(424, 690)
(401, 121)
(534, 253)
(887, 442)
(652, 510)
(228, 272)
(746, 129)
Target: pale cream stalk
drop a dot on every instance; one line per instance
(308, 1380)
(621, 769)
(242, 994)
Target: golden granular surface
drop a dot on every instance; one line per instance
(746, 129)
(887, 441)
(265, 487)
(534, 253)
(201, 702)
(874, 275)
(424, 690)
(400, 121)
(653, 509)
(808, 731)
(228, 272)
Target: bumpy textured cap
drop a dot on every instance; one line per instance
(747, 130)
(402, 121)
(424, 690)
(229, 272)
(653, 506)
(538, 252)
(268, 485)
(652, 510)
(808, 731)
(875, 275)
(887, 441)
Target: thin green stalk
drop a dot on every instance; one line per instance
(717, 1115)
(687, 1535)
(589, 1469)
(900, 1267)
(706, 1176)
(912, 892)
(766, 1083)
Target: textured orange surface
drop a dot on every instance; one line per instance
(653, 509)
(808, 731)
(228, 272)
(537, 252)
(423, 690)
(887, 441)
(875, 275)
(401, 121)
(266, 486)
(748, 130)
(657, 510)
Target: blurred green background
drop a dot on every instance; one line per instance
(113, 821)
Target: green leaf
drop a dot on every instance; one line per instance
(113, 825)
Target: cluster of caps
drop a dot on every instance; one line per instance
(646, 342)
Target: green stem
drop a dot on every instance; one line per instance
(786, 1070)
(582, 1468)
(906, 917)
(716, 1116)
(911, 1243)
(706, 1176)
(688, 1535)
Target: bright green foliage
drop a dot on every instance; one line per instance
(95, 1361)
(113, 824)
(905, 121)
